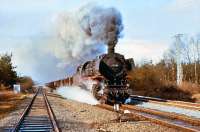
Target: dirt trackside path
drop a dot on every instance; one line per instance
(76, 116)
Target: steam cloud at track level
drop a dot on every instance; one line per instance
(77, 94)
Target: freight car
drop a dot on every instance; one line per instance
(58, 83)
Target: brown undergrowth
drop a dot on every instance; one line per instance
(148, 82)
(8, 101)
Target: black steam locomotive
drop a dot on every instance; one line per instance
(109, 75)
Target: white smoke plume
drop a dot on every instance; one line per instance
(77, 94)
(72, 38)
(86, 32)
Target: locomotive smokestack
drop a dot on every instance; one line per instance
(111, 47)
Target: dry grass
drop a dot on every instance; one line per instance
(193, 89)
(3, 87)
(147, 82)
(196, 97)
(166, 91)
(190, 87)
(8, 101)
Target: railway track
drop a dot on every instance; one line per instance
(162, 118)
(181, 104)
(38, 116)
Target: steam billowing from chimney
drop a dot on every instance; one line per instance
(74, 38)
(86, 32)
(102, 25)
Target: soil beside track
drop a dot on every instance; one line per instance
(75, 116)
(9, 102)
(11, 118)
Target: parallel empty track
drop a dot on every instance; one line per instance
(180, 104)
(38, 116)
(161, 118)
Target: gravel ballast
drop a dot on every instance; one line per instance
(75, 116)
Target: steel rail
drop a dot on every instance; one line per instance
(181, 104)
(51, 114)
(178, 105)
(146, 98)
(37, 123)
(25, 112)
(157, 118)
(192, 121)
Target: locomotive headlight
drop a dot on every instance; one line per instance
(128, 85)
(115, 65)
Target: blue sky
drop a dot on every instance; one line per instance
(149, 26)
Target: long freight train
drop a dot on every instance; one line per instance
(108, 73)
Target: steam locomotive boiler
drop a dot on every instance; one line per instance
(109, 74)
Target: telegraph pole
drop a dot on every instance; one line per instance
(179, 75)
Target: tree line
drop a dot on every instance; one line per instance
(8, 74)
(189, 56)
(160, 79)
